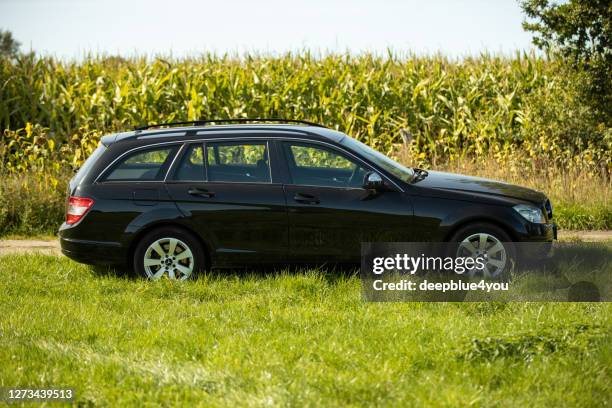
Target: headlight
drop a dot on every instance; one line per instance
(530, 213)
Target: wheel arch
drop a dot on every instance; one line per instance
(161, 224)
(474, 220)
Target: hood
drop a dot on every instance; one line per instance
(450, 181)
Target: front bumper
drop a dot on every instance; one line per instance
(537, 241)
(540, 232)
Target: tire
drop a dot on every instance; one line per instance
(171, 252)
(498, 245)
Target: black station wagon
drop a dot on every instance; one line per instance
(175, 199)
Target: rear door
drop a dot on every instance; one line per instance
(225, 189)
(330, 213)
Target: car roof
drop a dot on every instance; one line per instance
(202, 132)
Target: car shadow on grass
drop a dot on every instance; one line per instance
(330, 273)
(112, 272)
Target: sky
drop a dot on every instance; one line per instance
(71, 28)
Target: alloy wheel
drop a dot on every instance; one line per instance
(490, 248)
(168, 256)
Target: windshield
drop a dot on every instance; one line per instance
(402, 172)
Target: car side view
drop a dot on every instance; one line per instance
(175, 199)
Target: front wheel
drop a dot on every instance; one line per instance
(168, 251)
(491, 243)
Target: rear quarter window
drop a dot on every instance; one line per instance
(143, 165)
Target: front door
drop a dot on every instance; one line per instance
(330, 214)
(225, 190)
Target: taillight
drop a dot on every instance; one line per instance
(77, 208)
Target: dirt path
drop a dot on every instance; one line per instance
(20, 246)
(587, 236)
(52, 247)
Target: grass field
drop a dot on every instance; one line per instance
(303, 338)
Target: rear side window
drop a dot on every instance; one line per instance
(238, 162)
(191, 167)
(143, 165)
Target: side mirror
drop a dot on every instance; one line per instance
(373, 181)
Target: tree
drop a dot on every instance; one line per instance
(581, 32)
(9, 47)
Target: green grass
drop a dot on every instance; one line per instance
(303, 338)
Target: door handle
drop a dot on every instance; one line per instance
(306, 199)
(200, 192)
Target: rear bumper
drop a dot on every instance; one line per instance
(93, 252)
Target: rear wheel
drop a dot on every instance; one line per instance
(170, 252)
(489, 242)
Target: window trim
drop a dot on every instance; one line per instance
(175, 150)
(274, 135)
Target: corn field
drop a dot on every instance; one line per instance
(53, 112)
(517, 119)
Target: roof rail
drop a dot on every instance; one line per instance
(238, 120)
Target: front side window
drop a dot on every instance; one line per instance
(147, 165)
(238, 162)
(316, 165)
(400, 171)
